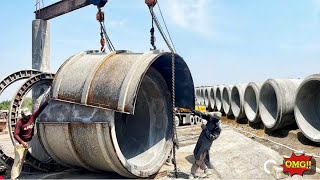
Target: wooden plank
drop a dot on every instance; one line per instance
(60, 8)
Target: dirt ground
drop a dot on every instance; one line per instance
(280, 140)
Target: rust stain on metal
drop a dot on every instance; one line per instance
(90, 98)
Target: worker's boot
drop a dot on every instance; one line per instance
(207, 172)
(192, 176)
(208, 162)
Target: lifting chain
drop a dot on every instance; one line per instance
(151, 4)
(104, 38)
(152, 38)
(100, 19)
(175, 135)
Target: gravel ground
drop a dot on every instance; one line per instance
(290, 137)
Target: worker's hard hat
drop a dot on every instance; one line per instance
(25, 112)
(215, 115)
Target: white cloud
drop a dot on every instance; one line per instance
(193, 15)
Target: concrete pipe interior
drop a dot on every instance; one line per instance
(211, 98)
(226, 100)
(197, 92)
(218, 99)
(142, 136)
(268, 105)
(235, 101)
(250, 103)
(202, 101)
(206, 97)
(307, 109)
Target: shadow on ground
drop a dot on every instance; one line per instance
(305, 141)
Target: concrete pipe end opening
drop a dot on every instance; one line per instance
(218, 99)
(269, 104)
(145, 137)
(206, 97)
(212, 97)
(235, 101)
(226, 98)
(306, 108)
(202, 101)
(197, 94)
(251, 103)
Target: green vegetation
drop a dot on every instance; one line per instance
(4, 105)
(26, 104)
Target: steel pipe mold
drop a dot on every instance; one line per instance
(306, 108)
(276, 102)
(237, 101)
(113, 112)
(251, 102)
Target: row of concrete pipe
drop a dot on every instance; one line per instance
(277, 103)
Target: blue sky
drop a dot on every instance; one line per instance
(223, 41)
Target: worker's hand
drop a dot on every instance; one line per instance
(24, 144)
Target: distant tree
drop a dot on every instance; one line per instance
(4, 105)
(27, 103)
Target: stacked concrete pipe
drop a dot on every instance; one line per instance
(206, 97)
(113, 112)
(276, 102)
(218, 98)
(226, 100)
(212, 95)
(197, 94)
(307, 111)
(202, 95)
(251, 102)
(237, 101)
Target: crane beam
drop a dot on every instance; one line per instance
(60, 8)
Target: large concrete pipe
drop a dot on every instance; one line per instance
(113, 112)
(306, 108)
(202, 95)
(226, 100)
(212, 102)
(237, 101)
(218, 97)
(197, 94)
(276, 102)
(206, 97)
(251, 102)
